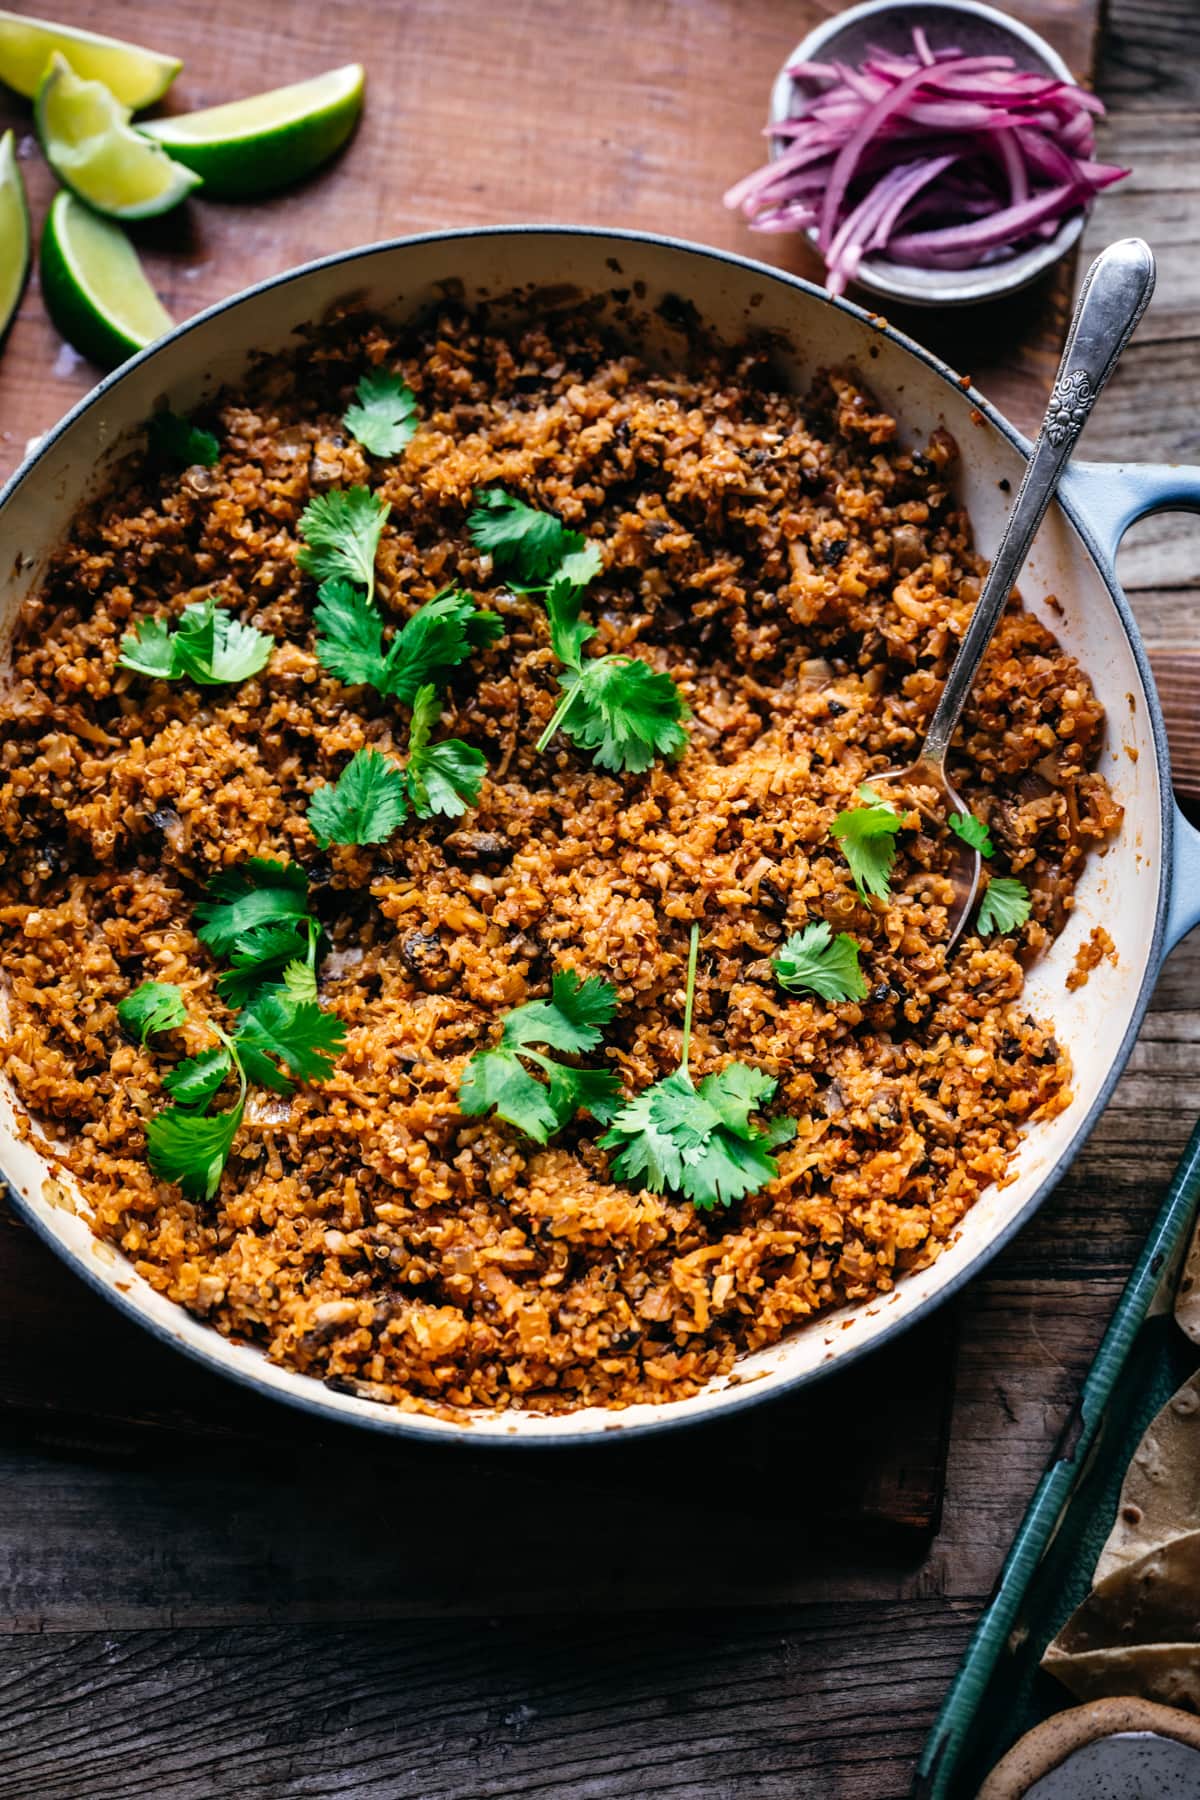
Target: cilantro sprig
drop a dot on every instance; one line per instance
(384, 415)
(372, 796)
(440, 635)
(815, 961)
(618, 707)
(341, 532)
(867, 835)
(365, 805)
(208, 646)
(1006, 905)
(176, 440)
(569, 1022)
(258, 918)
(699, 1140)
(444, 777)
(530, 548)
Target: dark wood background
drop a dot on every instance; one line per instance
(288, 1617)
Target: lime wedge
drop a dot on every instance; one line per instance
(249, 147)
(94, 287)
(85, 133)
(137, 77)
(14, 232)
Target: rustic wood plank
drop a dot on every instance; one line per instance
(474, 114)
(829, 1704)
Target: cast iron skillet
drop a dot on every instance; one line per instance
(1145, 890)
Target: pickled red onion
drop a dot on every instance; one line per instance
(985, 158)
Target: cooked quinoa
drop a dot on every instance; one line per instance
(805, 579)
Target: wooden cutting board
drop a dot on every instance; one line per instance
(628, 113)
(632, 113)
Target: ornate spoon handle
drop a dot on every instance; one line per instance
(1115, 294)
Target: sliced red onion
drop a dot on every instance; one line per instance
(936, 159)
(993, 233)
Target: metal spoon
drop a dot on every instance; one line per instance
(1115, 294)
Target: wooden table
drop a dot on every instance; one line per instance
(203, 1624)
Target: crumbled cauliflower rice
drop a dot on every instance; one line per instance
(805, 579)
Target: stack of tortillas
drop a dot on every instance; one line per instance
(1138, 1631)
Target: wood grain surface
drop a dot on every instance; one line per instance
(209, 1621)
(628, 112)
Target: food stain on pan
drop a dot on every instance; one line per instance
(740, 1381)
(1098, 947)
(55, 1194)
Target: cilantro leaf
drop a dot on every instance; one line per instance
(177, 440)
(192, 1148)
(213, 647)
(648, 1151)
(258, 891)
(349, 633)
(342, 530)
(824, 964)
(569, 1021)
(261, 954)
(441, 778)
(297, 1032)
(154, 1006)
(699, 1141)
(972, 831)
(495, 1078)
(867, 835)
(527, 546)
(209, 646)
(439, 635)
(1005, 906)
(569, 632)
(150, 651)
(300, 981)
(446, 779)
(384, 416)
(364, 806)
(581, 566)
(195, 1080)
(623, 711)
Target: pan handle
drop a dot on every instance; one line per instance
(1183, 911)
(1111, 497)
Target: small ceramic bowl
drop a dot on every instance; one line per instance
(977, 30)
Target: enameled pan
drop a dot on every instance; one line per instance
(1145, 890)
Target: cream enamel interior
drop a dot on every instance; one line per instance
(1120, 889)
